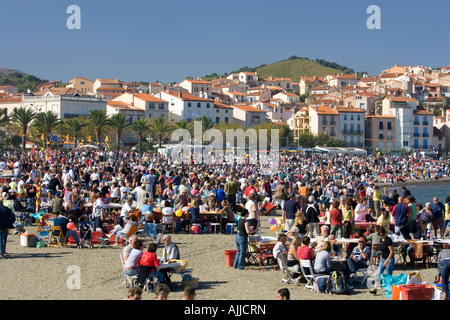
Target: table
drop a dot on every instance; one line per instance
(174, 267)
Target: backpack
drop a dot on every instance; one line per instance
(337, 284)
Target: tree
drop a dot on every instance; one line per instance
(99, 121)
(306, 140)
(141, 128)
(207, 123)
(74, 127)
(23, 117)
(4, 118)
(118, 123)
(45, 123)
(161, 129)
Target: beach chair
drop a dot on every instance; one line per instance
(267, 208)
(150, 231)
(56, 237)
(130, 281)
(126, 237)
(40, 226)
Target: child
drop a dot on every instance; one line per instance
(147, 266)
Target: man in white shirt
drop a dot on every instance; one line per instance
(125, 210)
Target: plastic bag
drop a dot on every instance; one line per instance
(388, 280)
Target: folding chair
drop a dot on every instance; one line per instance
(364, 272)
(309, 277)
(420, 253)
(266, 253)
(126, 237)
(150, 231)
(288, 271)
(39, 225)
(252, 253)
(375, 254)
(56, 237)
(130, 281)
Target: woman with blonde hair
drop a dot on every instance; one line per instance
(322, 262)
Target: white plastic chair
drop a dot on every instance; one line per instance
(309, 277)
(130, 281)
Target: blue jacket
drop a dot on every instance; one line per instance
(7, 217)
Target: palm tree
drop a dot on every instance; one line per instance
(74, 127)
(4, 118)
(161, 129)
(141, 128)
(45, 123)
(207, 123)
(118, 123)
(23, 117)
(99, 121)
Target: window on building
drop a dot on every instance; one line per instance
(389, 125)
(189, 104)
(381, 125)
(199, 105)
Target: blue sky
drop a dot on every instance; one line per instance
(147, 40)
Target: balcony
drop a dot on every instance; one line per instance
(352, 132)
(416, 123)
(425, 123)
(425, 134)
(416, 134)
(324, 122)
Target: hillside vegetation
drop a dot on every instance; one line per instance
(294, 68)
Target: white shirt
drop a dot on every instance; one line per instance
(96, 208)
(125, 210)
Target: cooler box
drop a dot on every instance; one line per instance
(27, 240)
(230, 255)
(438, 290)
(230, 228)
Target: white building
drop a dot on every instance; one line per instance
(248, 116)
(152, 106)
(186, 106)
(198, 87)
(351, 126)
(65, 105)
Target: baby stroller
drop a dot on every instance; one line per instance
(23, 214)
(85, 233)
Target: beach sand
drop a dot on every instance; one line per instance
(30, 273)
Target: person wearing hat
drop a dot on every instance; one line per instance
(57, 204)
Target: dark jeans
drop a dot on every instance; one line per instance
(241, 246)
(3, 238)
(444, 268)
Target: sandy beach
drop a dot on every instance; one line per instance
(31, 273)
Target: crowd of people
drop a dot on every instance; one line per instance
(337, 190)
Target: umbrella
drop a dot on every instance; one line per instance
(140, 168)
(88, 146)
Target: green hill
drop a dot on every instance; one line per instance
(295, 69)
(21, 81)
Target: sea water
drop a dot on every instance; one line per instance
(426, 192)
